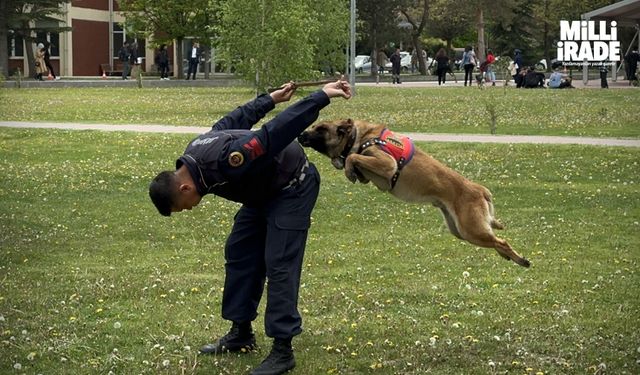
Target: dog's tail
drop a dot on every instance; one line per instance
(495, 224)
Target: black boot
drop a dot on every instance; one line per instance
(279, 361)
(239, 338)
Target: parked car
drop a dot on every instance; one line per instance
(405, 63)
(360, 61)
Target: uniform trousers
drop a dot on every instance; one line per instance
(268, 242)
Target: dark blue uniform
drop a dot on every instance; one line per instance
(270, 175)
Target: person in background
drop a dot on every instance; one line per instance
(517, 64)
(442, 61)
(559, 80)
(162, 61)
(414, 61)
(469, 62)
(490, 74)
(47, 61)
(41, 67)
(381, 60)
(194, 59)
(133, 60)
(395, 66)
(604, 69)
(124, 56)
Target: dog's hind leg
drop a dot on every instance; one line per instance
(496, 224)
(448, 218)
(488, 239)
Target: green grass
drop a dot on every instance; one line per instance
(93, 280)
(585, 112)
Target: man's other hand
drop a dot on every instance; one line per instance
(283, 94)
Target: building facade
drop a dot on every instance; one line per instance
(95, 40)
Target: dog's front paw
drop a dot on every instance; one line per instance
(351, 175)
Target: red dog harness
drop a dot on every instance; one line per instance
(399, 147)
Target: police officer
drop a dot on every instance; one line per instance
(270, 175)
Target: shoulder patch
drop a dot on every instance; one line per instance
(236, 159)
(254, 147)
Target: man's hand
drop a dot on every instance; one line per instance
(283, 94)
(338, 88)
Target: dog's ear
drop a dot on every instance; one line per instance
(345, 127)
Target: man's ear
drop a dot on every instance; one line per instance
(185, 188)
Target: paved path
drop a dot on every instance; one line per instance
(472, 138)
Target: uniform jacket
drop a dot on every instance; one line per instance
(247, 166)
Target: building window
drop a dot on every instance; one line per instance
(120, 36)
(118, 39)
(50, 39)
(16, 45)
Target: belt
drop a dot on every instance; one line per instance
(300, 177)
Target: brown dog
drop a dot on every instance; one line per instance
(369, 152)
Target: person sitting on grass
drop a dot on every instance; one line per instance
(559, 80)
(533, 79)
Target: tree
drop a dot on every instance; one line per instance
(498, 11)
(164, 21)
(25, 19)
(447, 22)
(273, 41)
(379, 20)
(420, 8)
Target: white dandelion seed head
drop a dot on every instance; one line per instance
(117, 325)
(465, 274)
(166, 363)
(492, 364)
(602, 366)
(17, 366)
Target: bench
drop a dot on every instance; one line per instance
(108, 70)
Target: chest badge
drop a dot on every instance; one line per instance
(236, 159)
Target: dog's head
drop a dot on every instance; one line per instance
(331, 138)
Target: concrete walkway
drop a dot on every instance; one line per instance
(469, 138)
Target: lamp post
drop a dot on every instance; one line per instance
(352, 48)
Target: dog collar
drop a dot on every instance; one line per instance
(347, 148)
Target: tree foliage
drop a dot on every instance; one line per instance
(379, 21)
(273, 41)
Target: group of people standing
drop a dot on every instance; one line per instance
(43, 63)
(128, 56)
(470, 61)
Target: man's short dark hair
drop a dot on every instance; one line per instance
(162, 192)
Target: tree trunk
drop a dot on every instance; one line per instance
(480, 51)
(180, 74)
(207, 59)
(374, 52)
(4, 48)
(545, 36)
(422, 63)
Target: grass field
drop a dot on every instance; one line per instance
(586, 112)
(94, 281)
